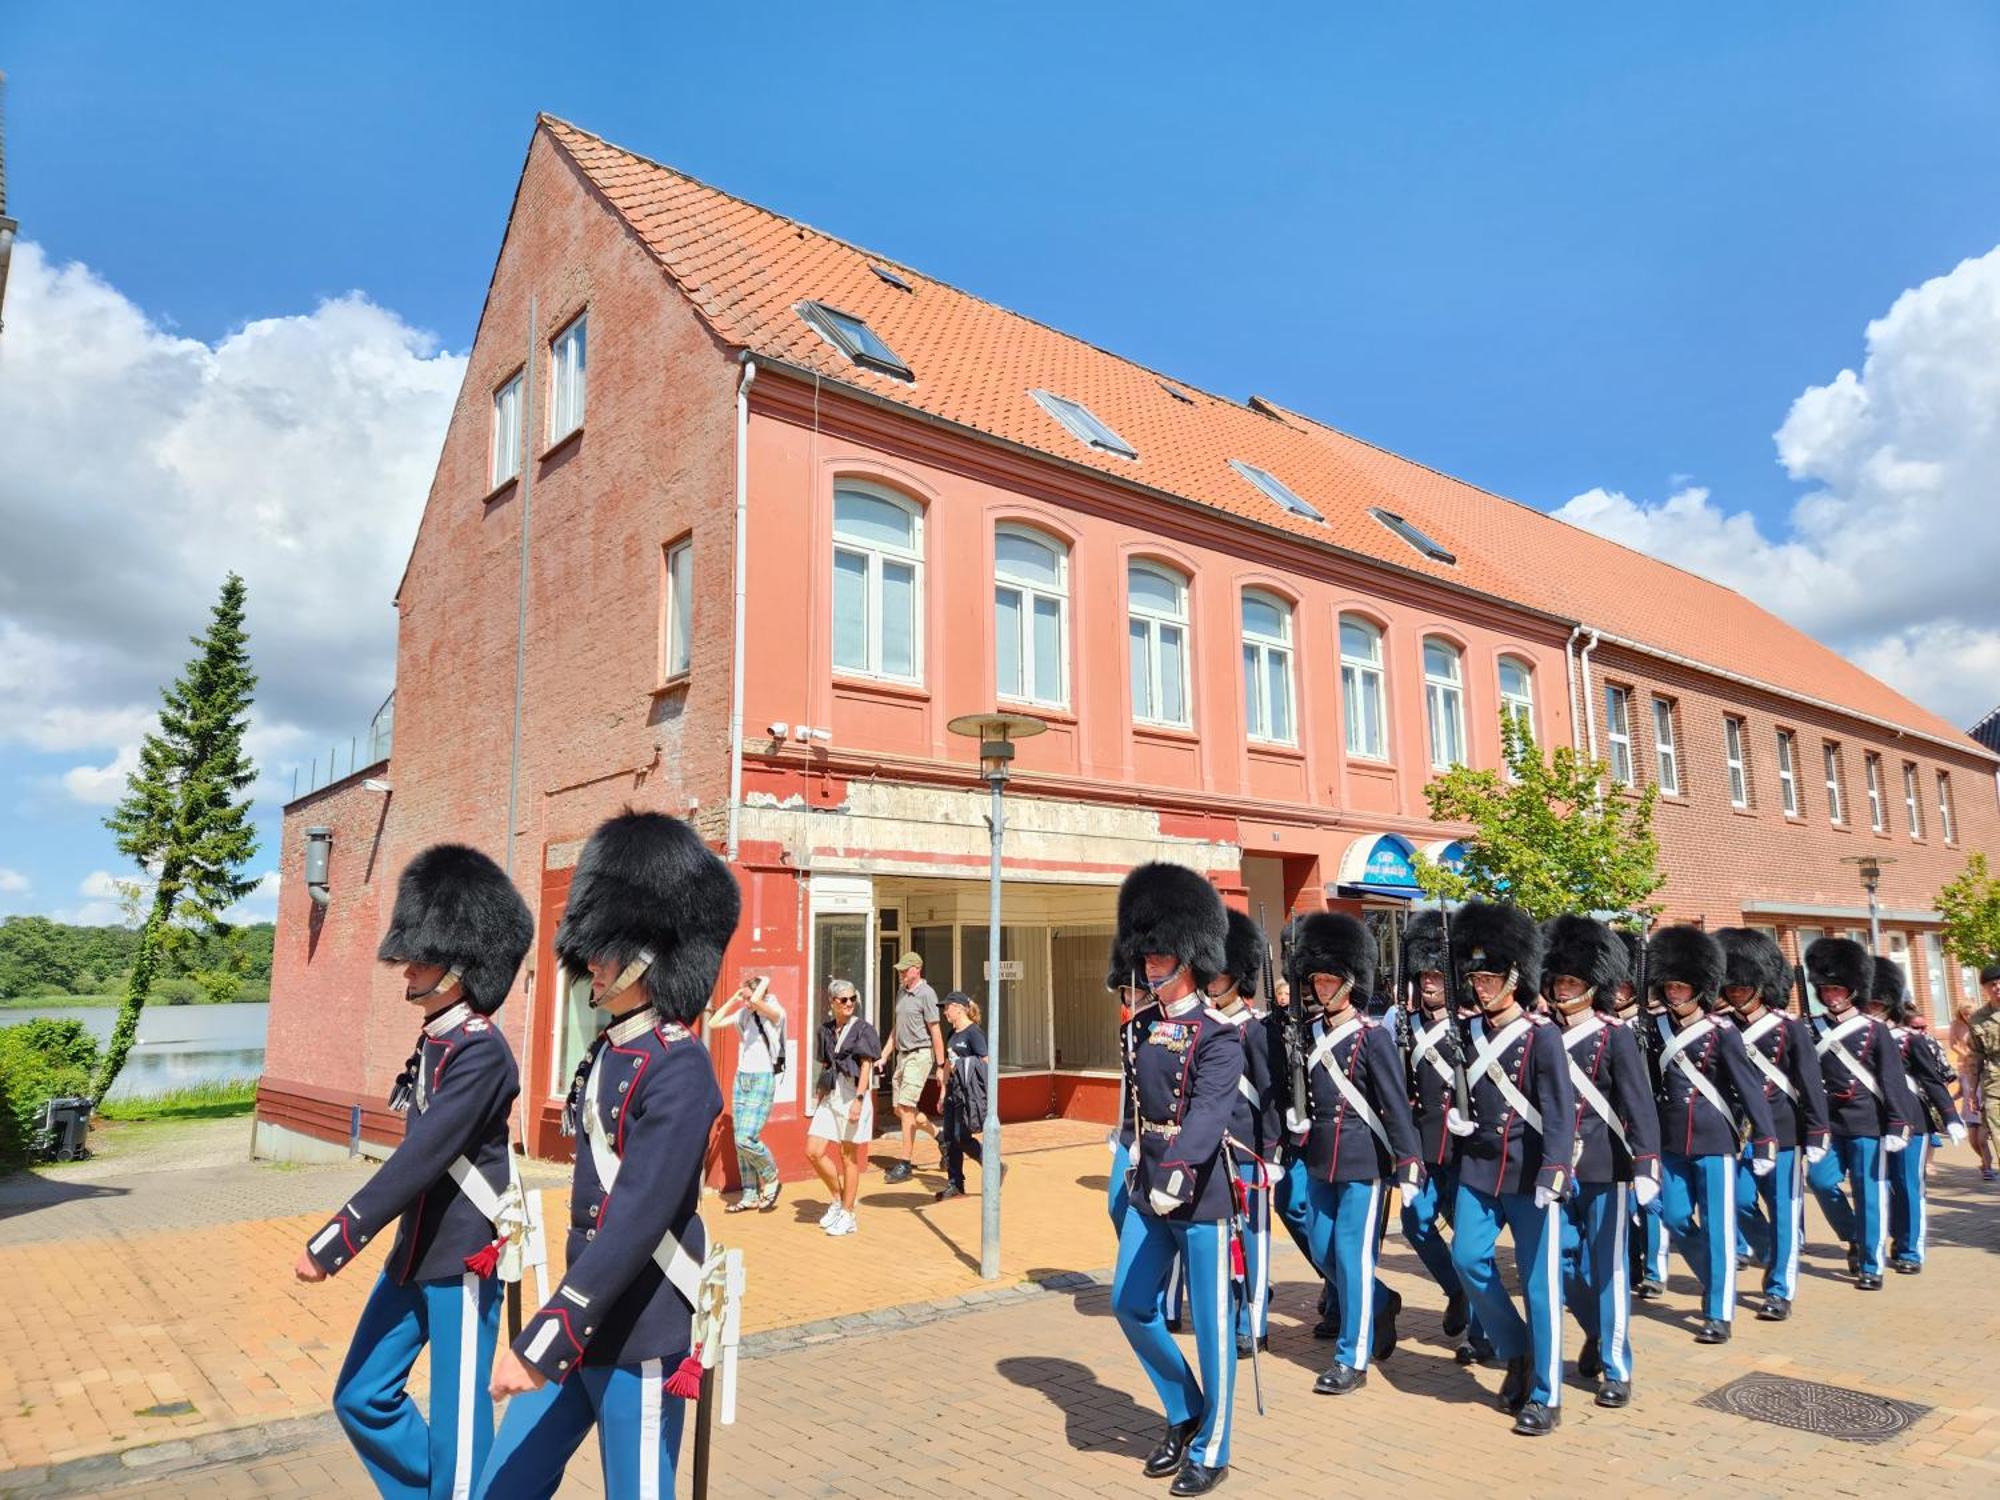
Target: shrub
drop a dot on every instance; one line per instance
(175, 991)
(218, 986)
(38, 1061)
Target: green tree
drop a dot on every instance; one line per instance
(1551, 836)
(1970, 906)
(185, 817)
(42, 949)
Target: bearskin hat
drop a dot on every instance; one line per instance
(1423, 944)
(1752, 957)
(1119, 970)
(1685, 955)
(1891, 988)
(1166, 908)
(457, 909)
(1841, 961)
(645, 883)
(1330, 942)
(1494, 936)
(1585, 949)
(1243, 952)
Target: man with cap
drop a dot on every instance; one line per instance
(1361, 1141)
(1516, 1132)
(1865, 1089)
(1186, 1063)
(460, 930)
(649, 914)
(1755, 982)
(1926, 1105)
(915, 1055)
(1706, 1081)
(1984, 1046)
(1618, 1151)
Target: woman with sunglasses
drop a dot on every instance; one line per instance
(843, 1120)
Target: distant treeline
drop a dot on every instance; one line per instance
(41, 957)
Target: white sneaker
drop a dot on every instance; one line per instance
(832, 1213)
(845, 1224)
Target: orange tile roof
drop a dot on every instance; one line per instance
(745, 269)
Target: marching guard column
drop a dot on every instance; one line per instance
(1254, 1132)
(1926, 1105)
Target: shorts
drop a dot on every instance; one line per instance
(829, 1120)
(913, 1071)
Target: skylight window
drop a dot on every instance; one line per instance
(1083, 424)
(1276, 489)
(855, 339)
(892, 278)
(1177, 393)
(1412, 535)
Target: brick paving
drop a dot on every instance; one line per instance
(1021, 1390)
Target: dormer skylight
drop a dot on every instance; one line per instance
(1177, 393)
(1275, 488)
(892, 278)
(1083, 424)
(1412, 535)
(854, 338)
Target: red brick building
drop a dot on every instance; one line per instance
(733, 518)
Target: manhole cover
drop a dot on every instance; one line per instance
(1829, 1410)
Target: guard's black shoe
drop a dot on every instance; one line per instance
(1455, 1318)
(1385, 1329)
(1245, 1346)
(1197, 1479)
(1615, 1393)
(1537, 1419)
(950, 1190)
(1745, 1262)
(1166, 1458)
(1908, 1267)
(1868, 1283)
(1475, 1352)
(1648, 1290)
(1712, 1331)
(1328, 1326)
(1174, 1325)
(1774, 1310)
(1514, 1389)
(1854, 1260)
(898, 1173)
(1338, 1379)
(1588, 1362)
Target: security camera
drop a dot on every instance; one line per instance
(779, 729)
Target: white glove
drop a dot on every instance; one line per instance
(1815, 1155)
(1162, 1204)
(1894, 1143)
(1957, 1133)
(1761, 1166)
(1413, 1180)
(1645, 1190)
(1544, 1196)
(1456, 1123)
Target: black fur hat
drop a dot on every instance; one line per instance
(1423, 944)
(1119, 970)
(1752, 957)
(1166, 908)
(1495, 936)
(1243, 951)
(1685, 955)
(1841, 961)
(645, 883)
(1331, 942)
(1585, 949)
(456, 908)
(1891, 989)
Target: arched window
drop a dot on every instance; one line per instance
(1030, 616)
(1444, 702)
(1267, 667)
(1363, 691)
(1517, 691)
(878, 568)
(1157, 625)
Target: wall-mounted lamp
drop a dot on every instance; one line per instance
(319, 856)
(375, 784)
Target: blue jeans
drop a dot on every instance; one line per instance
(1147, 1247)
(1597, 1263)
(1476, 1222)
(638, 1434)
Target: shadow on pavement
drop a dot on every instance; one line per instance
(1096, 1418)
(24, 1192)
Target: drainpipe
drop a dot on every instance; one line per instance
(742, 594)
(1589, 703)
(1569, 679)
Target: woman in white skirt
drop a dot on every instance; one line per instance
(843, 1105)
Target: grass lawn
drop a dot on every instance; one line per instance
(207, 1101)
(63, 1002)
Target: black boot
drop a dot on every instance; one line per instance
(1477, 1351)
(1245, 1346)
(1774, 1310)
(1455, 1317)
(1166, 1458)
(1614, 1393)
(1711, 1331)
(1537, 1419)
(1514, 1389)
(1195, 1479)
(1866, 1283)
(1338, 1379)
(1385, 1329)
(1647, 1290)
(1854, 1259)
(1588, 1364)
(1908, 1267)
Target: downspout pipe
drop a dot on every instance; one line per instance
(1569, 682)
(741, 565)
(1589, 703)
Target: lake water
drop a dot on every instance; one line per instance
(179, 1045)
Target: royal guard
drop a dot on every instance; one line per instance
(1633, 1011)
(1361, 1141)
(1514, 1159)
(1187, 1062)
(650, 912)
(1771, 1210)
(1926, 1105)
(1863, 1070)
(1122, 980)
(460, 931)
(1618, 1144)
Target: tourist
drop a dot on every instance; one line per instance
(965, 1092)
(760, 1060)
(915, 1055)
(843, 1118)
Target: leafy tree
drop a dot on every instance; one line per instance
(185, 817)
(1970, 906)
(218, 986)
(40, 949)
(1551, 836)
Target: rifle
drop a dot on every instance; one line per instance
(1298, 1113)
(1461, 1029)
(1650, 1040)
(1405, 1041)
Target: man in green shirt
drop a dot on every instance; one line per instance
(915, 1055)
(1985, 1041)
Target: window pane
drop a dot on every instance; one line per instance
(862, 517)
(1278, 693)
(1173, 674)
(1007, 642)
(1025, 560)
(1253, 693)
(680, 585)
(1153, 590)
(1350, 711)
(1360, 640)
(1265, 617)
(1663, 723)
(1440, 660)
(850, 611)
(1142, 671)
(1513, 678)
(1372, 715)
(1048, 650)
(899, 619)
(1454, 727)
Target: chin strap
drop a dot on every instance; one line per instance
(1154, 986)
(1338, 1001)
(451, 979)
(631, 975)
(1582, 1002)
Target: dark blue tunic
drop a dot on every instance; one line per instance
(1185, 1065)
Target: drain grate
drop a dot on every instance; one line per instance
(1806, 1405)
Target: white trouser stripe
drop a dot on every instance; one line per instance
(468, 1369)
(1921, 1145)
(1878, 1186)
(650, 1382)
(1225, 1351)
(1552, 1372)
(1365, 1339)
(1723, 1235)
(1798, 1219)
(1613, 1353)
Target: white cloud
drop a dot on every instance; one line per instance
(1892, 554)
(261, 905)
(104, 903)
(13, 882)
(100, 786)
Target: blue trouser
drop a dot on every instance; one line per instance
(1425, 1214)
(1771, 1218)
(1253, 1306)
(638, 1434)
(1649, 1243)
(1147, 1247)
(1597, 1266)
(1120, 1205)
(1698, 1210)
(1906, 1200)
(1476, 1219)
(459, 1317)
(1346, 1240)
(1860, 1161)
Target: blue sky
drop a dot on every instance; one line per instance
(1555, 250)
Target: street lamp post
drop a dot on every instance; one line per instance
(997, 734)
(1871, 879)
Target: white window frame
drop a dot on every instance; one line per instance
(1912, 802)
(507, 414)
(875, 553)
(1872, 769)
(1439, 693)
(1083, 424)
(1618, 733)
(1788, 777)
(1836, 794)
(569, 377)
(1259, 652)
(1947, 825)
(1028, 594)
(1732, 755)
(1354, 671)
(1666, 746)
(676, 635)
(1154, 620)
(1520, 706)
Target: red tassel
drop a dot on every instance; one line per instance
(685, 1382)
(1236, 1258)
(484, 1262)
